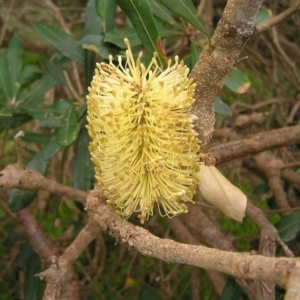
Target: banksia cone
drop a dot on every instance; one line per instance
(144, 147)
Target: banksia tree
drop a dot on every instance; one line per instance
(143, 143)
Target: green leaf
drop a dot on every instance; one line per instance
(15, 64)
(116, 36)
(186, 10)
(107, 10)
(263, 16)
(19, 199)
(92, 23)
(32, 282)
(237, 81)
(61, 41)
(231, 291)
(55, 69)
(261, 189)
(221, 108)
(34, 96)
(16, 120)
(36, 138)
(140, 15)
(163, 14)
(67, 132)
(29, 74)
(95, 43)
(38, 163)
(89, 66)
(50, 149)
(14, 238)
(194, 54)
(83, 169)
(4, 76)
(289, 226)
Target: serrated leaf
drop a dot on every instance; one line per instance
(263, 16)
(15, 64)
(82, 161)
(186, 10)
(140, 15)
(61, 41)
(221, 108)
(237, 81)
(4, 76)
(31, 284)
(55, 69)
(221, 193)
(67, 132)
(107, 10)
(289, 226)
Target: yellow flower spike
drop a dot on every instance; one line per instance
(143, 145)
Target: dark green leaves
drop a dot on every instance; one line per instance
(140, 15)
(67, 132)
(237, 81)
(106, 10)
(221, 108)
(61, 41)
(289, 226)
(186, 10)
(83, 169)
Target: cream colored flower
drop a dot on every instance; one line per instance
(144, 147)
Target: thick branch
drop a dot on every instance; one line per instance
(217, 60)
(280, 270)
(257, 143)
(16, 176)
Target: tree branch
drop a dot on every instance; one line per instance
(282, 271)
(15, 176)
(216, 61)
(257, 143)
(279, 18)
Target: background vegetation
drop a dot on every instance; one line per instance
(47, 58)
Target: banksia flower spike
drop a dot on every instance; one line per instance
(144, 147)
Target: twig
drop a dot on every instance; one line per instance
(256, 143)
(271, 167)
(60, 272)
(18, 139)
(16, 176)
(279, 18)
(244, 266)
(4, 26)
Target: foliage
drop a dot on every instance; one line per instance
(44, 95)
